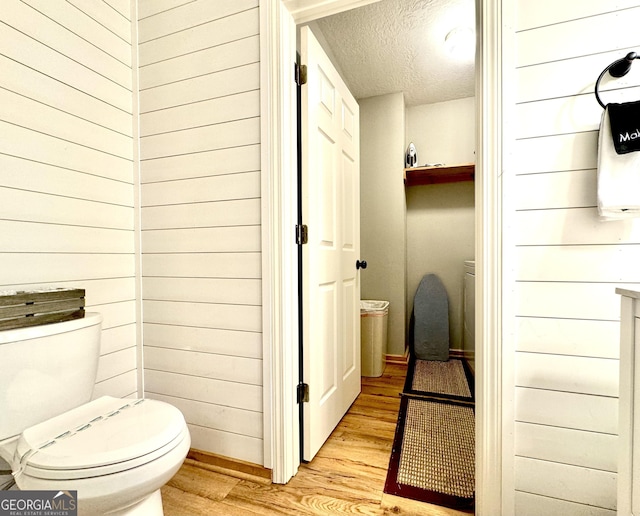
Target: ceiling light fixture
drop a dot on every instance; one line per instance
(460, 42)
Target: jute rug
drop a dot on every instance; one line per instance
(430, 378)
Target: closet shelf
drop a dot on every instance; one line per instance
(417, 176)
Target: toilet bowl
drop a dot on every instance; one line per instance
(115, 453)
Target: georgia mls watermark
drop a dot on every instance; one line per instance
(38, 503)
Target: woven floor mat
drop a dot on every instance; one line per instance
(451, 379)
(433, 456)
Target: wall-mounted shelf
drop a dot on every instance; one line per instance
(417, 176)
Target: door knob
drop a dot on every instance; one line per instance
(361, 264)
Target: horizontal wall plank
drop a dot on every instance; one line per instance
(121, 386)
(586, 37)
(225, 419)
(203, 290)
(224, 317)
(114, 364)
(202, 36)
(208, 390)
(25, 237)
(595, 263)
(244, 185)
(111, 19)
(221, 57)
(567, 410)
(202, 240)
(32, 145)
(210, 214)
(54, 209)
(554, 153)
(115, 314)
(569, 300)
(242, 447)
(107, 291)
(189, 15)
(42, 88)
(199, 89)
(123, 7)
(21, 111)
(584, 375)
(576, 484)
(148, 8)
(573, 447)
(203, 265)
(568, 337)
(236, 133)
(205, 340)
(571, 189)
(118, 338)
(205, 112)
(527, 504)
(206, 365)
(220, 161)
(572, 226)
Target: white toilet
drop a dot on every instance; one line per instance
(116, 453)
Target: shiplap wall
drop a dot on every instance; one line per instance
(567, 262)
(66, 164)
(200, 174)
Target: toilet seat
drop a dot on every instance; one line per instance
(105, 436)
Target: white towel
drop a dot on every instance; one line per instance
(618, 177)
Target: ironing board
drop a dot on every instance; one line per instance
(431, 320)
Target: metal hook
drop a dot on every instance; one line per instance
(617, 69)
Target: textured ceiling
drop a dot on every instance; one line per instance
(398, 45)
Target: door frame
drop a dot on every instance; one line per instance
(279, 254)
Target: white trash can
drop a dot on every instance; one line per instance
(373, 336)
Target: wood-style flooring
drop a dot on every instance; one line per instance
(346, 477)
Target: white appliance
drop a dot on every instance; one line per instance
(469, 330)
(116, 453)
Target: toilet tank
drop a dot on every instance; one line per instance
(46, 370)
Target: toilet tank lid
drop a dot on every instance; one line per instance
(102, 432)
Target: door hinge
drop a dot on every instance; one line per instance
(303, 393)
(302, 234)
(300, 74)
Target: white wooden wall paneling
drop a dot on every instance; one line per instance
(109, 290)
(564, 189)
(204, 265)
(233, 291)
(86, 28)
(148, 8)
(527, 504)
(60, 210)
(219, 213)
(197, 89)
(117, 338)
(121, 386)
(205, 112)
(206, 340)
(221, 57)
(107, 16)
(42, 88)
(203, 36)
(207, 390)
(32, 53)
(111, 364)
(208, 315)
(220, 161)
(225, 419)
(190, 15)
(208, 365)
(248, 449)
(190, 240)
(24, 112)
(579, 337)
(579, 263)
(116, 313)
(34, 24)
(123, 7)
(559, 152)
(573, 483)
(567, 410)
(572, 226)
(584, 375)
(567, 446)
(25, 143)
(244, 185)
(227, 134)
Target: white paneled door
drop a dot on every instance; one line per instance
(331, 210)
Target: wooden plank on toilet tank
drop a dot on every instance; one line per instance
(30, 308)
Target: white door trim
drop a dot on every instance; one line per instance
(280, 296)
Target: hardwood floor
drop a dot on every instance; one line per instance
(346, 477)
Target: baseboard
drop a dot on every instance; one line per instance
(228, 466)
(398, 359)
